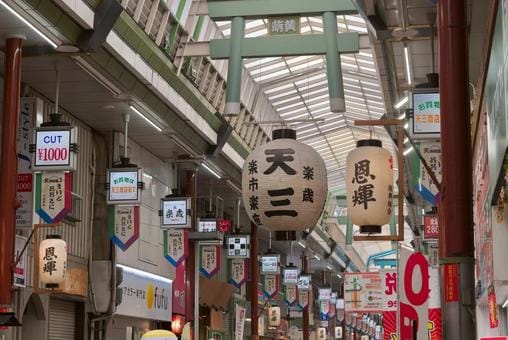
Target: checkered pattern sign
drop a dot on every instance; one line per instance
(238, 246)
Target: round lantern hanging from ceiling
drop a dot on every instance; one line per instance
(284, 184)
(369, 185)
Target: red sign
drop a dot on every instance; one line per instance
(224, 226)
(430, 227)
(179, 290)
(493, 316)
(390, 325)
(494, 338)
(451, 282)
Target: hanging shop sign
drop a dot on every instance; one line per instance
(303, 282)
(55, 148)
(24, 188)
(240, 314)
(338, 332)
(224, 226)
(178, 296)
(290, 294)
(493, 314)
(123, 225)
(207, 225)
(238, 246)
(209, 261)
(21, 266)
(324, 310)
(270, 285)
(290, 276)
(321, 333)
(333, 303)
(145, 295)
(284, 184)
(431, 153)
(53, 262)
(237, 272)
(363, 292)
(284, 25)
(270, 264)
(175, 212)
(176, 245)
(273, 316)
(413, 294)
(324, 294)
(369, 185)
(53, 199)
(303, 298)
(124, 186)
(426, 114)
(430, 227)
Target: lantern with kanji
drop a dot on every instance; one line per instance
(284, 184)
(369, 185)
(53, 261)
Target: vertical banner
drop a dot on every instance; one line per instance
(451, 282)
(20, 270)
(239, 321)
(123, 225)
(290, 294)
(413, 295)
(24, 213)
(179, 290)
(493, 316)
(237, 272)
(303, 298)
(176, 245)
(270, 285)
(53, 195)
(435, 324)
(209, 261)
(324, 310)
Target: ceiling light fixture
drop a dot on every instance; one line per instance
(402, 116)
(406, 152)
(300, 243)
(401, 102)
(408, 66)
(329, 267)
(35, 29)
(339, 276)
(210, 170)
(406, 126)
(145, 118)
(92, 72)
(317, 258)
(406, 140)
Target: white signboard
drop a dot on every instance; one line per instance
(270, 264)
(239, 321)
(426, 115)
(303, 282)
(145, 295)
(207, 225)
(290, 276)
(24, 191)
(123, 186)
(238, 246)
(20, 270)
(174, 212)
(338, 332)
(324, 294)
(363, 292)
(53, 148)
(431, 152)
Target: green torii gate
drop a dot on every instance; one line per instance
(238, 47)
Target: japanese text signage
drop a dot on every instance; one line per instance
(283, 25)
(237, 272)
(290, 276)
(54, 148)
(451, 271)
(210, 261)
(238, 246)
(430, 227)
(431, 153)
(124, 225)
(53, 195)
(145, 295)
(270, 264)
(24, 191)
(304, 282)
(123, 186)
(291, 294)
(270, 285)
(426, 115)
(303, 298)
(20, 270)
(284, 185)
(206, 225)
(176, 245)
(175, 212)
(363, 292)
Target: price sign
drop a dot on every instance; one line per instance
(54, 148)
(430, 227)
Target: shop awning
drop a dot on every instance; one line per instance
(214, 293)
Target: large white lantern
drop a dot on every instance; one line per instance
(53, 261)
(369, 185)
(284, 184)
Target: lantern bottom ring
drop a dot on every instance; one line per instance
(370, 229)
(52, 285)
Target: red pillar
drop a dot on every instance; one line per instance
(190, 263)
(9, 165)
(456, 214)
(306, 321)
(254, 267)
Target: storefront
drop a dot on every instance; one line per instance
(146, 305)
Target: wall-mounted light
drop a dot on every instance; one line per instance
(26, 22)
(139, 113)
(401, 102)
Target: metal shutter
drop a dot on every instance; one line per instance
(62, 319)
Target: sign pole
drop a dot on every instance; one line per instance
(254, 267)
(306, 270)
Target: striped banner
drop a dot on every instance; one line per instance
(53, 200)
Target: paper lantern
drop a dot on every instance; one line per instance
(369, 185)
(53, 261)
(284, 184)
(159, 334)
(273, 316)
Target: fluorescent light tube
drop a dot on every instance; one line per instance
(210, 170)
(408, 66)
(317, 257)
(300, 243)
(406, 152)
(406, 140)
(145, 118)
(26, 22)
(406, 126)
(401, 102)
(329, 267)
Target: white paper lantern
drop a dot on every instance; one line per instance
(53, 261)
(274, 316)
(369, 185)
(284, 184)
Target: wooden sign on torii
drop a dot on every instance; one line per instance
(237, 47)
